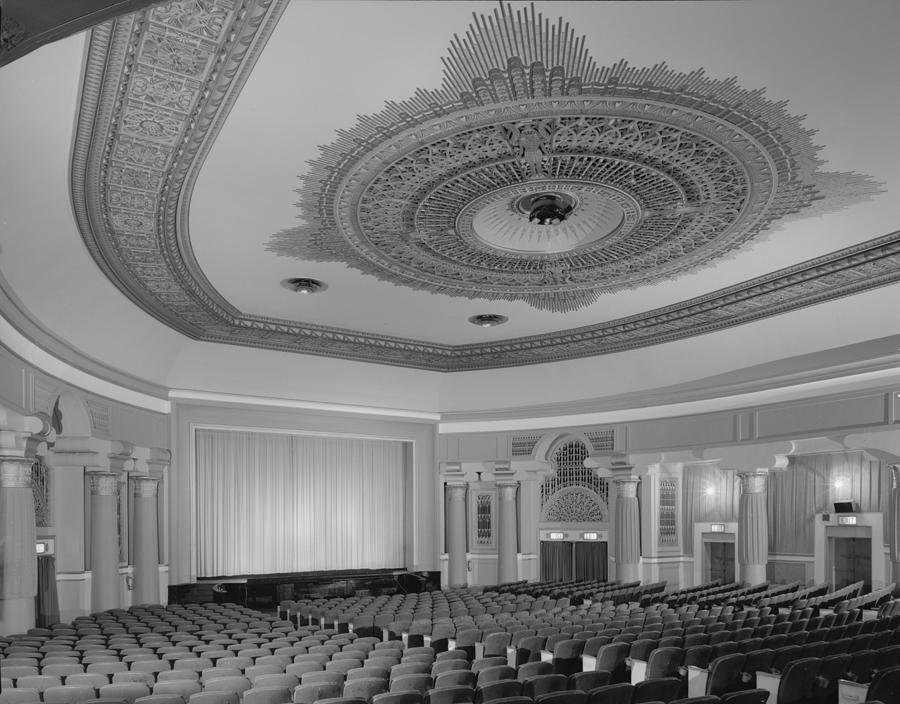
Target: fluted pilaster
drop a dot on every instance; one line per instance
(753, 527)
(456, 534)
(508, 539)
(627, 529)
(146, 540)
(105, 592)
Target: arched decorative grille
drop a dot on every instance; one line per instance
(40, 486)
(568, 461)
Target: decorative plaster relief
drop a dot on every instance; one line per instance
(664, 161)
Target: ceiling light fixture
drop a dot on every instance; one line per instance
(547, 208)
(488, 320)
(304, 285)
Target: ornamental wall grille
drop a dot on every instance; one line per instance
(557, 497)
(668, 512)
(40, 488)
(573, 504)
(523, 445)
(482, 519)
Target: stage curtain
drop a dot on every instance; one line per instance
(270, 503)
(590, 560)
(556, 560)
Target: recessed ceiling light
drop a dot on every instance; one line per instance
(488, 320)
(304, 285)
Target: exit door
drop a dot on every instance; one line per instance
(720, 561)
(852, 562)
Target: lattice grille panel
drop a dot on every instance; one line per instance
(483, 529)
(668, 507)
(40, 486)
(568, 461)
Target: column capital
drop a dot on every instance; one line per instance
(507, 489)
(104, 483)
(626, 486)
(145, 487)
(15, 473)
(456, 491)
(753, 482)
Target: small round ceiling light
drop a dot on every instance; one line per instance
(488, 320)
(304, 285)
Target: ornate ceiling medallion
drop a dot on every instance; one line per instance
(532, 174)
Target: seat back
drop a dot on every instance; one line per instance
(797, 680)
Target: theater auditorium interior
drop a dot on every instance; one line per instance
(437, 352)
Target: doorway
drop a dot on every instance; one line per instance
(573, 560)
(852, 562)
(719, 560)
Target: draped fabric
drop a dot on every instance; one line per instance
(590, 560)
(808, 487)
(710, 495)
(556, 560)
(46, 602)
(269, 503)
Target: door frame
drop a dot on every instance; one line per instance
(828, 526)
(717, 532)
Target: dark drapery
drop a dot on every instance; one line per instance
(590, 561)
(46, 602)
(556, 560)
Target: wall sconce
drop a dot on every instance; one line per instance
(709, 491)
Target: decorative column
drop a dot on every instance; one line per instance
(19, 437)
(508, 538)
(18, 561)
(146, 540)
(893, 526)
(456, 534)
(627, 529)
(105, 592)
(753, 527)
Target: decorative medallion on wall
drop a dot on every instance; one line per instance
(534, 174)
(573, 505)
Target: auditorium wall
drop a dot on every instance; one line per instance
(824, 440)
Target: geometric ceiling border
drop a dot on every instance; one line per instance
(157, 87)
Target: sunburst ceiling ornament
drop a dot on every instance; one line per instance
(533, 174)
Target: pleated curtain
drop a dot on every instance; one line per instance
(556, 560)
(270, 503)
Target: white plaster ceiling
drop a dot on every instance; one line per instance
(328, 62)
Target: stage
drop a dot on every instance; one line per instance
(265, 591)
